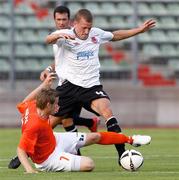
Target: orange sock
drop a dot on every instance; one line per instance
(108, 138)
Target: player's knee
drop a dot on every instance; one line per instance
(106, 112)
(87, 164)
(95, 138)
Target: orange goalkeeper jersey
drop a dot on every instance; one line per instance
(37, 139)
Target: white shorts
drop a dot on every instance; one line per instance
(64, 157)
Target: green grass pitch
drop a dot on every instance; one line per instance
(161, 159)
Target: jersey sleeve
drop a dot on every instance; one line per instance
(28, 141)
(23, 106)
(105, 36)
(60, 41)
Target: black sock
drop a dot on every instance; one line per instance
(72, 128)
(112, 125)
(82, 121)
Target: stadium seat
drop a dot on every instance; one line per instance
(41, 34)
(5, 7)
(173, 36)
(47, 23)
(5, 21)
(158, 36)
(172, 8)
(108, 8)
(173, 64)
(144, 9)
(74, 7)
(124, 8)
(145, 37)
(101, 22)
(158, 8)
(93, 7)
(168, 50)
(38, 50)
(49, 51)
(4, 65)
(3, 36)
(45, 63)
(4, 50)
(30, 35)
(18, 36)
(33, 65)
(20, 65)
(33, 22)
(22, 50)
(150, 50)
(177, 49)
(167, 22)
(24, 9)
(118, 22)
(20, 22)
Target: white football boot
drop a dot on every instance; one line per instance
(139, 140)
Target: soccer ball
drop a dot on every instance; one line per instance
(131, 160)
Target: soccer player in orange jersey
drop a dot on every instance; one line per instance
(52, 151)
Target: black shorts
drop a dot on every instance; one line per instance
(72, 98)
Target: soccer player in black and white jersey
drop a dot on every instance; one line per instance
(62, 21)
(78, 50)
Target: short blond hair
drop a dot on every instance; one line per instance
(85, 14)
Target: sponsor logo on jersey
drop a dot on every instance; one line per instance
(85, 54)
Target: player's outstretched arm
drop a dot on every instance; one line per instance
(123, 34)
(22, 155)
(45, 84)
(52, 38)
(48, 70)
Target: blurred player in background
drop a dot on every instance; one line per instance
(52, 151)
(78, 50)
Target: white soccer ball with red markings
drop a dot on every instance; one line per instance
(131, 160)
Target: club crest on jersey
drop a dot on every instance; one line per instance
(94, 40)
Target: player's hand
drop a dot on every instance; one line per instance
(31, 171)
(148, 24)
(50, 78)
(44, 74)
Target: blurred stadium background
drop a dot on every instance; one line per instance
(140, 74)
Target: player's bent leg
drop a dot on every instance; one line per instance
(62, 161)
(103, 107)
